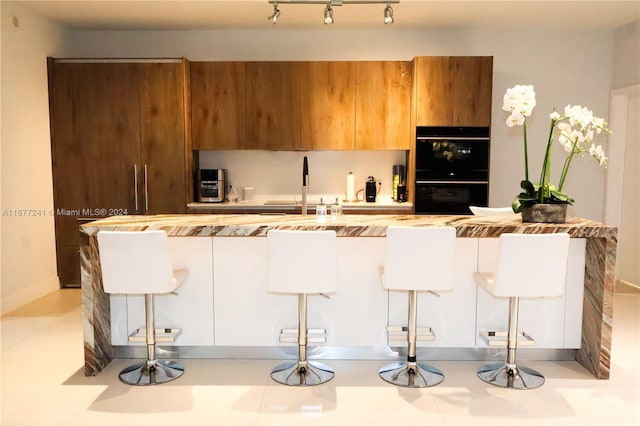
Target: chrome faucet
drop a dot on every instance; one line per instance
(305, 184)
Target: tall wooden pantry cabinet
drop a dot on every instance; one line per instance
(117, 143)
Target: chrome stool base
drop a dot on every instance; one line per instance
(411, 374)
(302, 373)
(510, 376)
(151, 373)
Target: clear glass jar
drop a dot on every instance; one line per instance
(321, 211)
(336, 209)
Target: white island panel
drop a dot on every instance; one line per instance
(451, 315)
(191, 309)
(248, 315)
(544, 319)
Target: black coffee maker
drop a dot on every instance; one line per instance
(370, 190)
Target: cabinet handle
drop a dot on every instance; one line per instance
(146, 190)
(135, 184)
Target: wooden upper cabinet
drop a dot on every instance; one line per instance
(383, 105)
(218, 105)
(453, 90)
(328, 105)
(162, 134)
(434, 91)
(273, 105)
(473, 77)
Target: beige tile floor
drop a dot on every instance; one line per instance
(42, 384)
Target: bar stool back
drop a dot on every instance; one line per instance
(515, 278)
(140, 263)
(302, 262)
(417, 259)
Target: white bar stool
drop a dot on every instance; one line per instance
(417, 259)
(302, 262)
(516, 252)
(139, 263)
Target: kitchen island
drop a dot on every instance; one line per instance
(238, 244)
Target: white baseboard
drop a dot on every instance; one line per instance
(629, 283)
(28, 295)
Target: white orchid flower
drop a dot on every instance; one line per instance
(578, 115)
(515, 119)
(574, 131)
(598, 153)
(588, 135)
(519, 98)
(508, 103)
(598, 123)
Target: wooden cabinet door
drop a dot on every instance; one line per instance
(453, 90)
(162, 132)
(273, 105)
(383, 105)
(218, 105)
(95, 134)
(328, 105)
(472, 84)
(434, 91)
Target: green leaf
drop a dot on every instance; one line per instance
(523, 196)
(516, 206)
(562, 197)
(528, 187)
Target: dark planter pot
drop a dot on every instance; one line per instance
(545, 213)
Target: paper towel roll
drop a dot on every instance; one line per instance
(351, 187)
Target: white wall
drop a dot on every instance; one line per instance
(627, 266)
(566, 68)
(626, 60)
(624, 179)
(28, 247)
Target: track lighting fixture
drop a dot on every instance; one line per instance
(276, 13)
(328, 14)
(328, 10)
(388, 14)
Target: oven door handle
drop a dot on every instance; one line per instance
(452, 182)
(455, 138)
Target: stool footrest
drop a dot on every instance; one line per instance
(161, 335)
(314, 335)
(500, 338)
(423, 334)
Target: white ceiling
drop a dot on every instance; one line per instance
(409, 14)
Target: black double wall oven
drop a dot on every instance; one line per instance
(452, 169)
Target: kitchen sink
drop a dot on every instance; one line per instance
(279, 203)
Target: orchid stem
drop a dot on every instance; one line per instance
(544, 176)
(567, 163)
(526, 152)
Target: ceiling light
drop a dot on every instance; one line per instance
(388, 15)
(276, 13)
(328, 14)
(328, 10)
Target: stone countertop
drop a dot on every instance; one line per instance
(348, 225)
